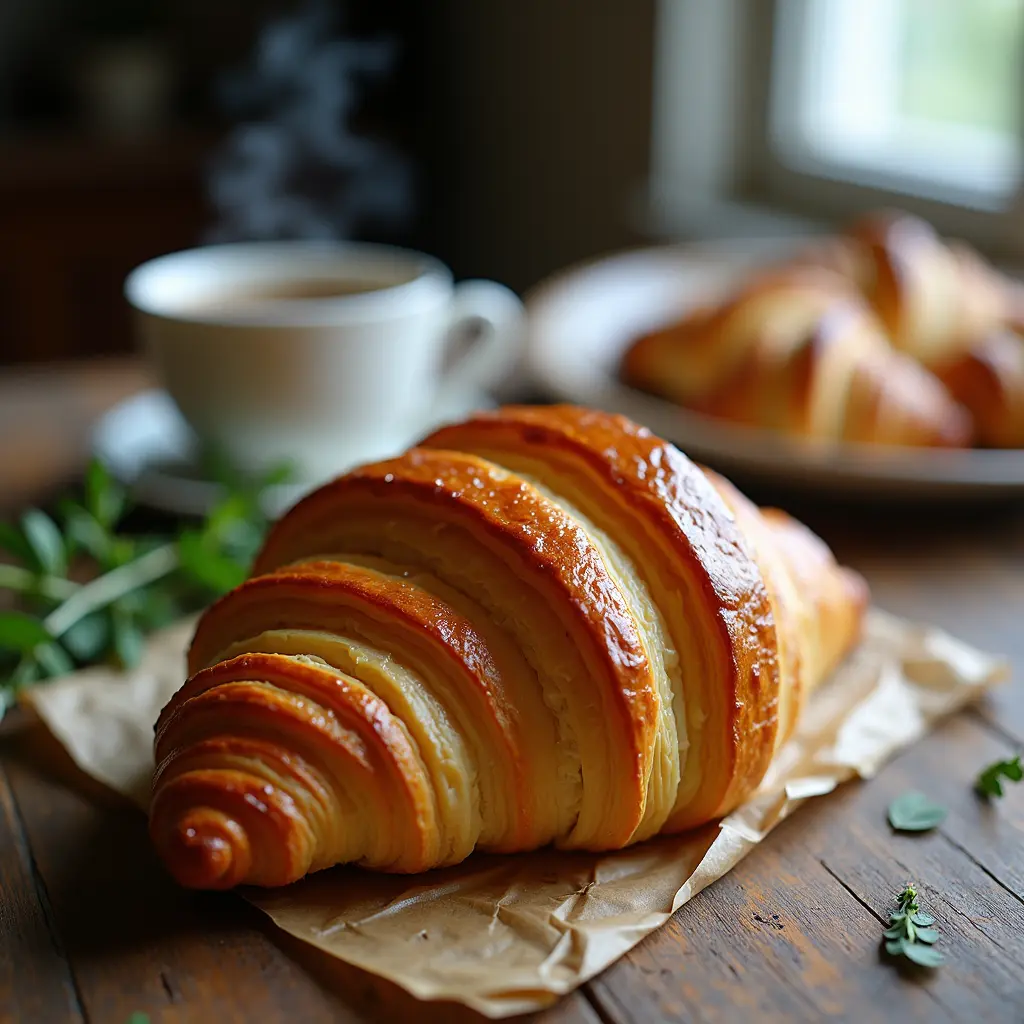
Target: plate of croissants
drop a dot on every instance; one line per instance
(882, 361)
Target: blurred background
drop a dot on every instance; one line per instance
(510, 137)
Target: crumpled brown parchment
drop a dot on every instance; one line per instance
(511, 934)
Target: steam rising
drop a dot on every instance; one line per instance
(293, 167)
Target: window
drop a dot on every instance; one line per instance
(781, 115)
(919, 96)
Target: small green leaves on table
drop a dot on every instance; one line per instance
(13, 542)
(910, 932)
(45, 541)
(915, 812)
(20, 632)
(207, 564)
(87, 590)
(989, 784)
(105, 500)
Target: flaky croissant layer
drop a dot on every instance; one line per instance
(543, 625)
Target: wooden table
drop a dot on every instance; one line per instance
(92, 929)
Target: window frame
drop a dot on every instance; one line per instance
(715, 169)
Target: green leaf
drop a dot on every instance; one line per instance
(159, 607)
(54, 660)
(122, 551)
(104, 496)
(988, 784)
(88, 638)
(111, 613)
(207, 566)
(138, 1018)
(909, 934)
(20, 632)
(46, 542)
(85, 533)
(275, 476)
(132, 603)
(13, 541)
(920, 954)
(915, 812)
(26, 673)
(232, 510)
(129, 641)
(233, 529)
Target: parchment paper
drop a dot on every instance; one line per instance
(510, 934)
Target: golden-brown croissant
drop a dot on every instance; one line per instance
(797, 351)
(988, 380)
(942, 304)
(936, 299)
(543, 625)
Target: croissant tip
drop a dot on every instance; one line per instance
(205, 849)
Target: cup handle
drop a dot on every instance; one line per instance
(500, 320)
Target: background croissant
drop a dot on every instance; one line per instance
(544, 625)
(886, 334)
(943, 305)
(988, 379)
(796, 350)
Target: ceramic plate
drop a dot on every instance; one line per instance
(581, 321)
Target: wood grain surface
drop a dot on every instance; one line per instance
(91, 929)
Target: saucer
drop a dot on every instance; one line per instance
(147, 445)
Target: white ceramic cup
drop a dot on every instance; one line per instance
(324, 381)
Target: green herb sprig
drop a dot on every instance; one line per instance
(989, 781)
(910, 932)
(87, 591)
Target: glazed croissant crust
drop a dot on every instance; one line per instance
(543, 625)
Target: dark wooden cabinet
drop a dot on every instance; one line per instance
(76, 215)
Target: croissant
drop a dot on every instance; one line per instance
(797, 351)
(942, 304)
(989, 381)
(543, 625)
(937, 300)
